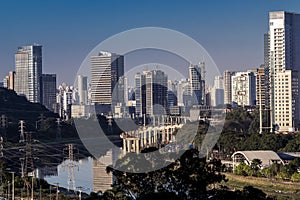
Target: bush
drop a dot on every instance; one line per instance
(295, 177)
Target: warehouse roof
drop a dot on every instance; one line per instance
(266, 157)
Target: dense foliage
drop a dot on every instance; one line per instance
(278, 171)
(241, 132)
(188, 177)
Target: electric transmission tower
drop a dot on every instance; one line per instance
(41, 118)
(22, 131)
(27, 161)
(58, 131)
(4, 125)
(70, 164)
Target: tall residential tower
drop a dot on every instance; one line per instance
(28, 63)
(284, 67)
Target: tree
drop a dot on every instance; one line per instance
(187, 177)
(242, 169)
(255, 167)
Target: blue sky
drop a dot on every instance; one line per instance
(231, 31)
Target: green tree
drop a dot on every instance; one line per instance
(255, 167)
(188, 176)
(242, 169)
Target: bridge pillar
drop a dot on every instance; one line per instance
(124, 145)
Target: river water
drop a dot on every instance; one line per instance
(83, 175)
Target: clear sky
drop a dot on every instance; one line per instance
(230, 30)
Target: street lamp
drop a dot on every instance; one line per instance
(57, 191)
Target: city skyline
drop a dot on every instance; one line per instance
(118, 100)
(235, 42)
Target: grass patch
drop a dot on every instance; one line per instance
(272, 187)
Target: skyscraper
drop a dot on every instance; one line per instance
(156, 93)
(106, 70)
(284, 68)
(48, 94)
(28, 62)
(196, 83)
(217, 92)
(284, 40)
(228, 86)
(82, 89)
(140, 94)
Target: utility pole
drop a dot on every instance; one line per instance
(13, 185)
(8, 190)
(32, 188)
(57, 191)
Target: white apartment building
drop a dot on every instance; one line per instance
(284, 51)
(243, 87)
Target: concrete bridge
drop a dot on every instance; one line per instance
(148, 136)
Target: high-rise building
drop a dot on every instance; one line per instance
(284, 40)
(64, 101)
(156, 93)
(244, 88)
(11, 80)
(217, 92)
(228, 86)
(203, 83)
(172, 93)
(183, 89)
(140, 94)
(196, 83)
(48, 94)
(82, 89)
(6, 82)
(261, 87)
(218, 82)
(286, 100)
(106, 70)
(28, 62)
(284, 51)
